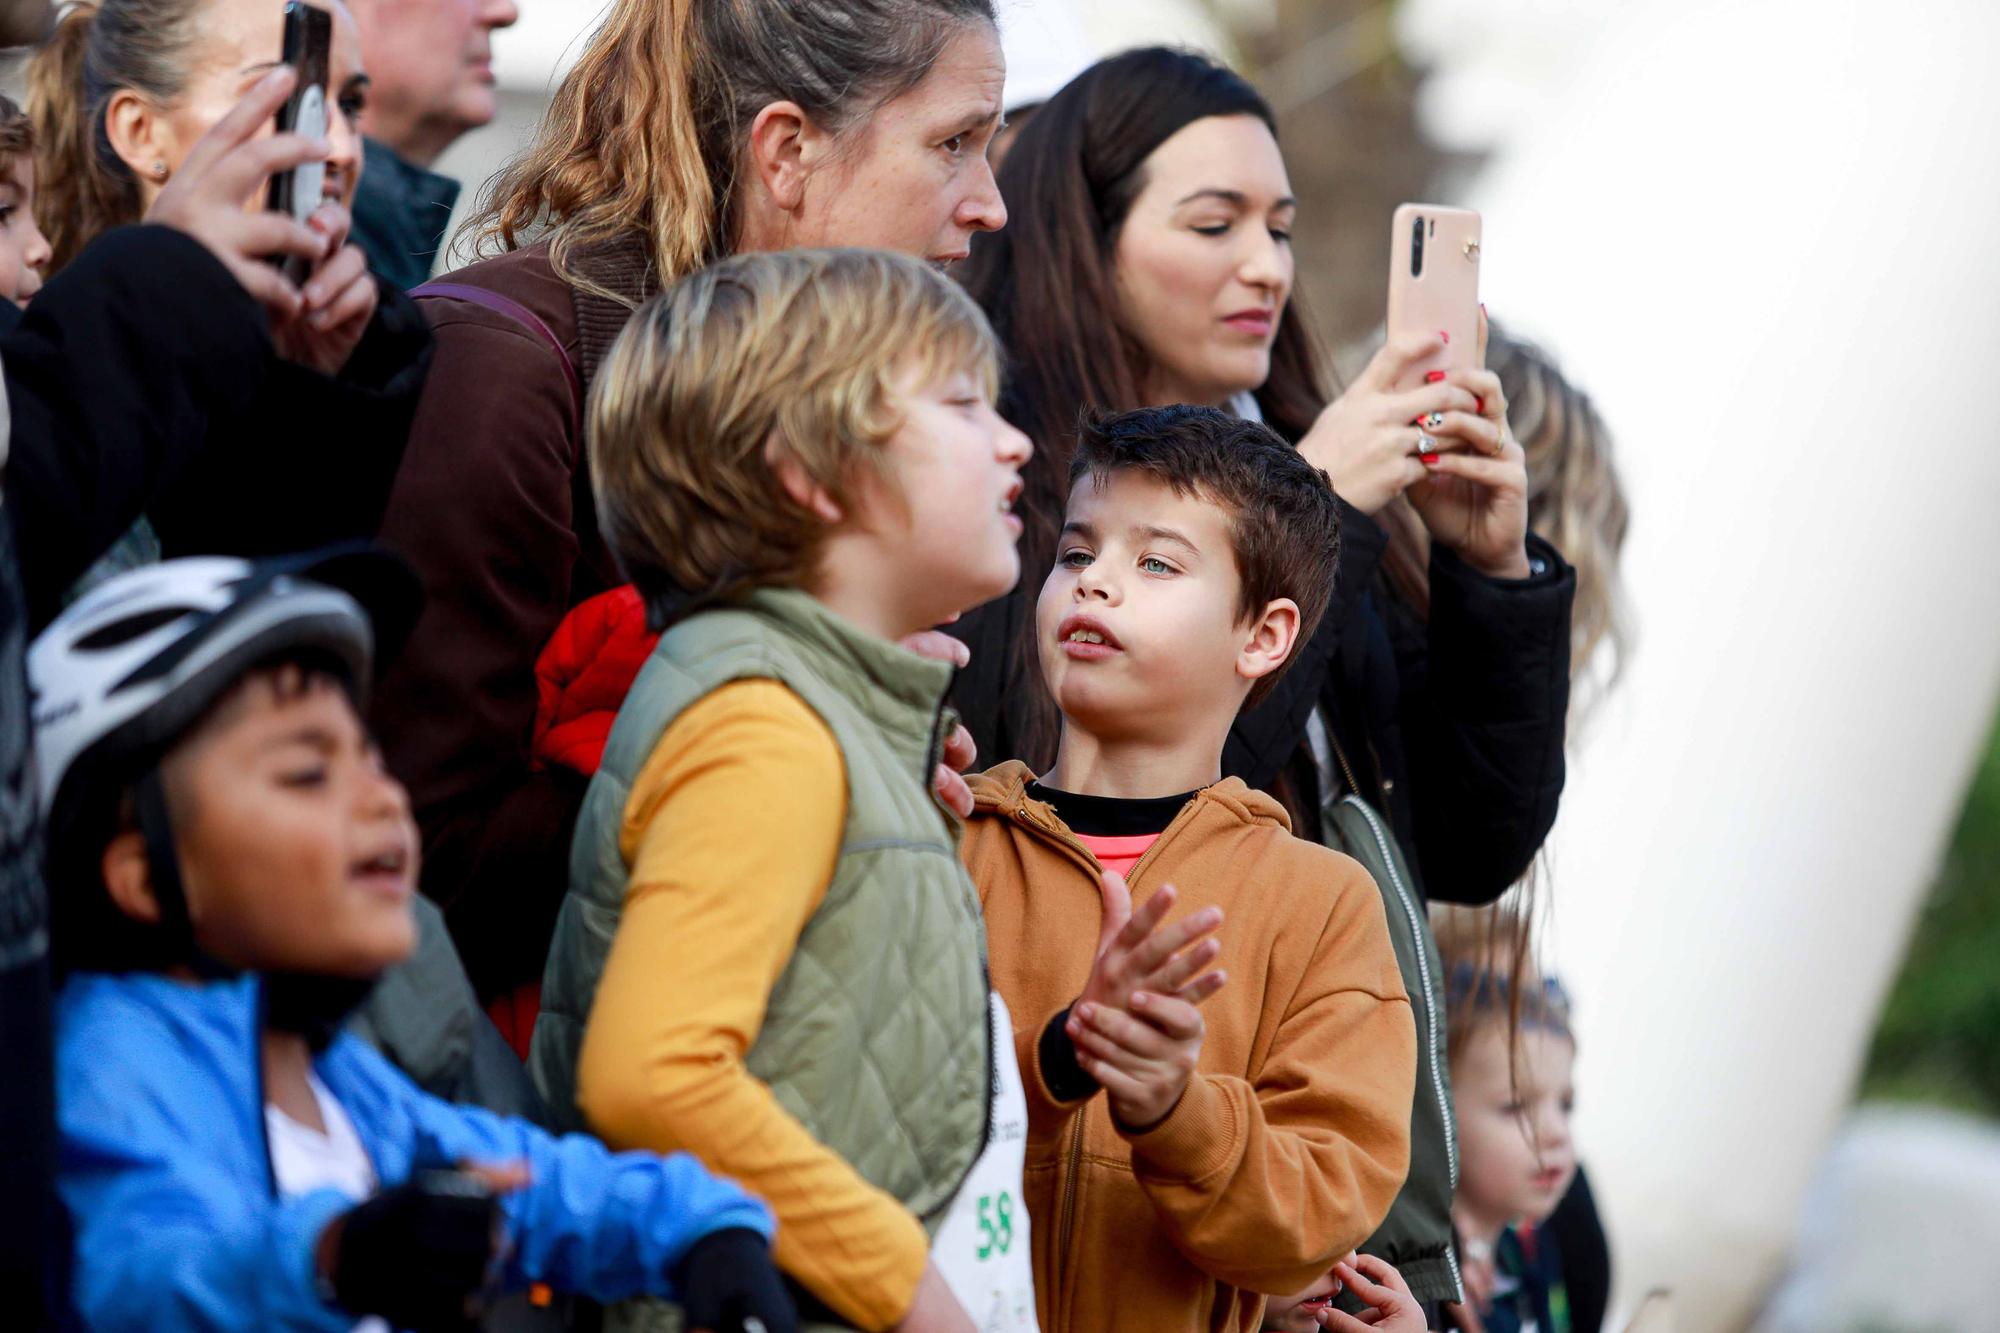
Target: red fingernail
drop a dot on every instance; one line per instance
(1436, 376)
(1428, 460)
(1446, 335)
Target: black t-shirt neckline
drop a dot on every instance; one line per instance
(1112, 816)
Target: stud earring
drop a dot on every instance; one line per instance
(160, 170)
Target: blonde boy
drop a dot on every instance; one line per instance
(770, 955)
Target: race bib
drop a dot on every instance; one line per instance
(982, 1249)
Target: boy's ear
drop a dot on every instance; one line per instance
(785, 148)
(1272, 635)
(129, 879)
(805, 492)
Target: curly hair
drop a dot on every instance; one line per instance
(1574, 500)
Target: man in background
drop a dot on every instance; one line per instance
(430, 64)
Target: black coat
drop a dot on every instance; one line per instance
(1455, 725)
(311, 459)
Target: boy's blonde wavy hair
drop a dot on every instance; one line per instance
(793, 355)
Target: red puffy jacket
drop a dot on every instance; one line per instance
(583, 675)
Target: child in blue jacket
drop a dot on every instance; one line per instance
(231, 869)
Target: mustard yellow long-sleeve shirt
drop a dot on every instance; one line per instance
(732, 830)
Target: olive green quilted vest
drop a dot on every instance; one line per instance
(875, 1036)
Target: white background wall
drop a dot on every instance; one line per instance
(1761, 233)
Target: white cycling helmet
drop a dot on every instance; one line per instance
(119, 675)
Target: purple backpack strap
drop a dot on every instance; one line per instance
(520, 314)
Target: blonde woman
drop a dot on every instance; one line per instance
(685, 132)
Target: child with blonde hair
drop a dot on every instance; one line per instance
(770, 955)
(1512, 1056)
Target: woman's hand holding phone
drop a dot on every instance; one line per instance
(1364, 441)
(230, 164)
(339, 299)
(1473, 496)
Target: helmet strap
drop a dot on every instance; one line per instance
(312, 1005)
(163, 865)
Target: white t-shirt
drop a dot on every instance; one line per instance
(304, 1160)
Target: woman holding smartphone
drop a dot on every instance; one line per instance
(120, 96)
(1149, 261)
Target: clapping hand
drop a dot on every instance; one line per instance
(1137, 1027)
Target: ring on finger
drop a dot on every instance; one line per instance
(1433, 421)
(1425, 444)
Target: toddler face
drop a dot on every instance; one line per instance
(1138, 622)
(296, 846)
(24, 252)
(957, 465)
(1514, 1135)
(1300, 1313)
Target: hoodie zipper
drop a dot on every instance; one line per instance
(1417, 927)
(1066, 1204)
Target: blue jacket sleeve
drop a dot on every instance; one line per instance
(166, 1243)
(591, 1222)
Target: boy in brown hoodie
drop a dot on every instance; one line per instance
(1252, 1134)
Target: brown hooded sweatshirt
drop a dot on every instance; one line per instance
(1292, 1138)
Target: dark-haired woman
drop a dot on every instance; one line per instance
(1149, 261)
(685, 132)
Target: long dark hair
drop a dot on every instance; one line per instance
(1048, 284)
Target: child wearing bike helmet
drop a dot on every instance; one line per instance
(231, 868)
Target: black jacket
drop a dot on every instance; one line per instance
(1455, 725)
(311, 458)
(400, 215)
(117, 383)
(114, 379)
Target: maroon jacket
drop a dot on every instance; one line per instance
(493, 507)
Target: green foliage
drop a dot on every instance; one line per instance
(1939, 1038)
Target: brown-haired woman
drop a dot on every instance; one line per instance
(120, 97)
(1150, 262)
(685, 132)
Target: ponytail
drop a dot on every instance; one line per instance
(77, 193)
(644, 136)
(619, 152)
(83, 188)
